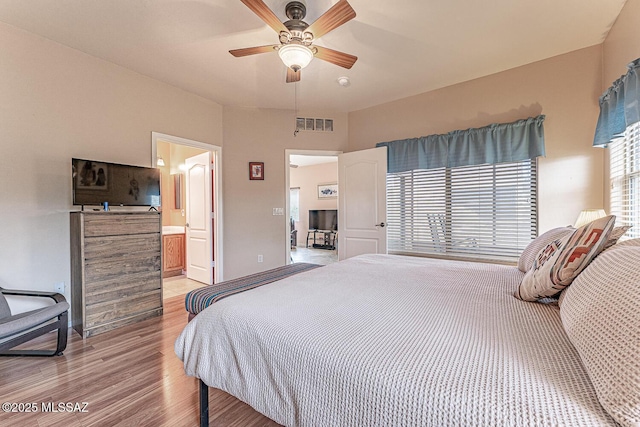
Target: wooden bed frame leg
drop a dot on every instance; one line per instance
(204, 404)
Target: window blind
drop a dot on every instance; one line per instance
(625, 179)
(486, 212)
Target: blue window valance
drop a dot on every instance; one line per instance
(496, 143)
(619, 106)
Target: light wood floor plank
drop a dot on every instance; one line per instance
(129, 377)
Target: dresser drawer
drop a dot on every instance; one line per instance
(106, 247)
(122, 287)
(105, 312)
(100, 270)
(111, 224)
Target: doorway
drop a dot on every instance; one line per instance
(174, 157)
(311, 206)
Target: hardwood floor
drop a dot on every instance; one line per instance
(129, 377)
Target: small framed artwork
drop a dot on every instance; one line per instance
(327, 191)
(309, 124)
(328, 125)
(300, 123)
(319, 124)
(256, 171)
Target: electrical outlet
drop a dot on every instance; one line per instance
(260, 259)
(59, 287)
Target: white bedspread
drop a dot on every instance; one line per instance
(382, 340)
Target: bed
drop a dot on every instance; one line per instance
(384, 340)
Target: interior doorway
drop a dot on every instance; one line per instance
(311, 206)
(174, 157)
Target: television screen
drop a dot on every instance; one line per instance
(323, 219)
(96, 182)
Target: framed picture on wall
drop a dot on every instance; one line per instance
(256, 171)
(327, 191)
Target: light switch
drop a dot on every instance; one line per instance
(278, 211)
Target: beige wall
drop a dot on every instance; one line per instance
(253, 135)
(307, 179)
(621, 46)
(57, 103)
(564, 88)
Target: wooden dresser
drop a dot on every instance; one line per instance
(116, 276)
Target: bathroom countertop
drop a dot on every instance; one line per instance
(172, 229)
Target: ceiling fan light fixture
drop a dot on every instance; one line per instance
(344, 81)
(295, 56)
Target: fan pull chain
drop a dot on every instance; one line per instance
(295, 132)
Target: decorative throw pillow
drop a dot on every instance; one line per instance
(600, 315)
(556, 265)
(525, 262)
(616, 234)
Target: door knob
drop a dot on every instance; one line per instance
(382, 224)
(187, 225)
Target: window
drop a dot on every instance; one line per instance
(625, 179)
(484, 212)
(294, 203)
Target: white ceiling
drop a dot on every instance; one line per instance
(405, 47)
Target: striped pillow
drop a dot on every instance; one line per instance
(557, 264)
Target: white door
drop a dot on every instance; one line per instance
(198, 227)
(362, 203)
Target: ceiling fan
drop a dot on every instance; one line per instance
(296, 47)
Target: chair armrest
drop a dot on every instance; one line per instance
(20, 292)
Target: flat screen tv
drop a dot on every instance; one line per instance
(326, 219)
(96, 182)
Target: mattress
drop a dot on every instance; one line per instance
(383, 340)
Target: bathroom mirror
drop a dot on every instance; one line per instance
(177, 186)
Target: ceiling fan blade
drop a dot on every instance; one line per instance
(252, 50)
(341, 59)
(339, 14)
(292, 76)
(262, 10)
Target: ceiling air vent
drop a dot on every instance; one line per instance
(319, 125)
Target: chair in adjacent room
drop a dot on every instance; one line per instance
(16, 329)
(294, 234)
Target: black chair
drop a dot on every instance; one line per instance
(294, 234)
(19, 328)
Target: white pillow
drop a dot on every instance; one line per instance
(600, 312)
